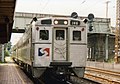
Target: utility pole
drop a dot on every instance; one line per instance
(107, 2)
(107, 36)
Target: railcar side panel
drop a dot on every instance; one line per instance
(24, 48)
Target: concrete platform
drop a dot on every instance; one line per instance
(104, 65)
(10, 73)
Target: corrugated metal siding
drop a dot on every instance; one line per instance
(101, 25)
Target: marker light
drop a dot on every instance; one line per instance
(82, 29)
(37, 28)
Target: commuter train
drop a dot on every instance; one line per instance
(55, 46)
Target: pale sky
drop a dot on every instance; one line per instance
(66, 7)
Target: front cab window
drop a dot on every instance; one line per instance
(44, 35)
(60, 34)
(76, 35)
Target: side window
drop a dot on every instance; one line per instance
(44, 34)
(60, 34)
(76, 35)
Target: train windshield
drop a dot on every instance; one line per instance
(76, 35)
(60, 34)
(44, 34)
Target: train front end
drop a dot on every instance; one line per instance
(60, 47)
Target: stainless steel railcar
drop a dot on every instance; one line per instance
(55, 44)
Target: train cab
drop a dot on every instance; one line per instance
(59, 42)
(53, 45)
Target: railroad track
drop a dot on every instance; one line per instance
(74, 80)
(77, 80)
(102, 76)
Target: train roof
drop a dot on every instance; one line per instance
(52, 18)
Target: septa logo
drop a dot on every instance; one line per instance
(43, 51)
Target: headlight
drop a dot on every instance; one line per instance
(65, 22)
(56, 22)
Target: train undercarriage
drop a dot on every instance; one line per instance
(58, 72)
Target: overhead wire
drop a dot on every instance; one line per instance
(45, 5)
(83, 5)
(93, 5)
(83, 1)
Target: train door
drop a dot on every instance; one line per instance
(60, 46)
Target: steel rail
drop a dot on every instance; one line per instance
(100, 79)
(100, 75)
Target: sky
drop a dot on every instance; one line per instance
(66, 7)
